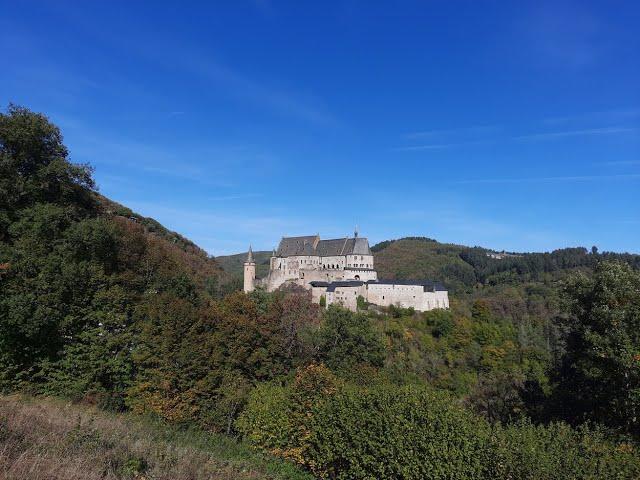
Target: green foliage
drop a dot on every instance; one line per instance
(346, 339)
(441, 322)
(600, 378)
(529, 452)
(390, 432)
(71, 277)
(200, 363)
(412, 432)
(279, 419)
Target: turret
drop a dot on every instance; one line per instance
(249, 272)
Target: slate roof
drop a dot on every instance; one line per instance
(428, 285)
(312, 245)
(347, 283)
(293, 246)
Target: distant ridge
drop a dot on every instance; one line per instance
(459, 267)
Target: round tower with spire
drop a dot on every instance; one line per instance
(249, 272)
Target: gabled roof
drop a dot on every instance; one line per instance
(293, 246)
(312, 245)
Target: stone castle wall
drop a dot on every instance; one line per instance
(304, 269)
(406, 296)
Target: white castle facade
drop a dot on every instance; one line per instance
(340, 270)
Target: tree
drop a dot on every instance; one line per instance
(346, 339)
(34, 167)
(600, 375)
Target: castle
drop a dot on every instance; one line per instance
(340, 270)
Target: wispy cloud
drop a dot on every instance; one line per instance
(561, 34)
(441, 146)
(219, 165)
(464, 131)
(620, 163)
(415, 148)
(451, 137)
(189, 58)
(234, 230)
(238, 196)
(560, 179)
(604, 116)
(577, 133)
(245, 88)
(437, 134)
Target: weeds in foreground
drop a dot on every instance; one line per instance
(43, 438)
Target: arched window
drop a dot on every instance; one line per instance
(357, 277)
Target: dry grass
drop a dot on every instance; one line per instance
(48, 439)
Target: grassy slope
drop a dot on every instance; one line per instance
(45, 438)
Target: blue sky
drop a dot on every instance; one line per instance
(510, 125)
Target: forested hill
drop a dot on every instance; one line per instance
(233, 264)
(77, 269)
(203, 267)
(462, 268)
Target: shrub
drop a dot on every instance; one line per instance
(441, 322)
(278, 419)
(379, 432)
(556, 451)
(346, 339)
(391, 432)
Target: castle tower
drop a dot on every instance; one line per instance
(249, 272)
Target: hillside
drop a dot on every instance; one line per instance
(49, 439)
(462, 268)
(78, 270)
(232, 264)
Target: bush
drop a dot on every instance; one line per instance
(412, 432)
(278, 419)
(379, 432)
(391, 432)
(556, 451)
(346, 339)
(441, 322)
